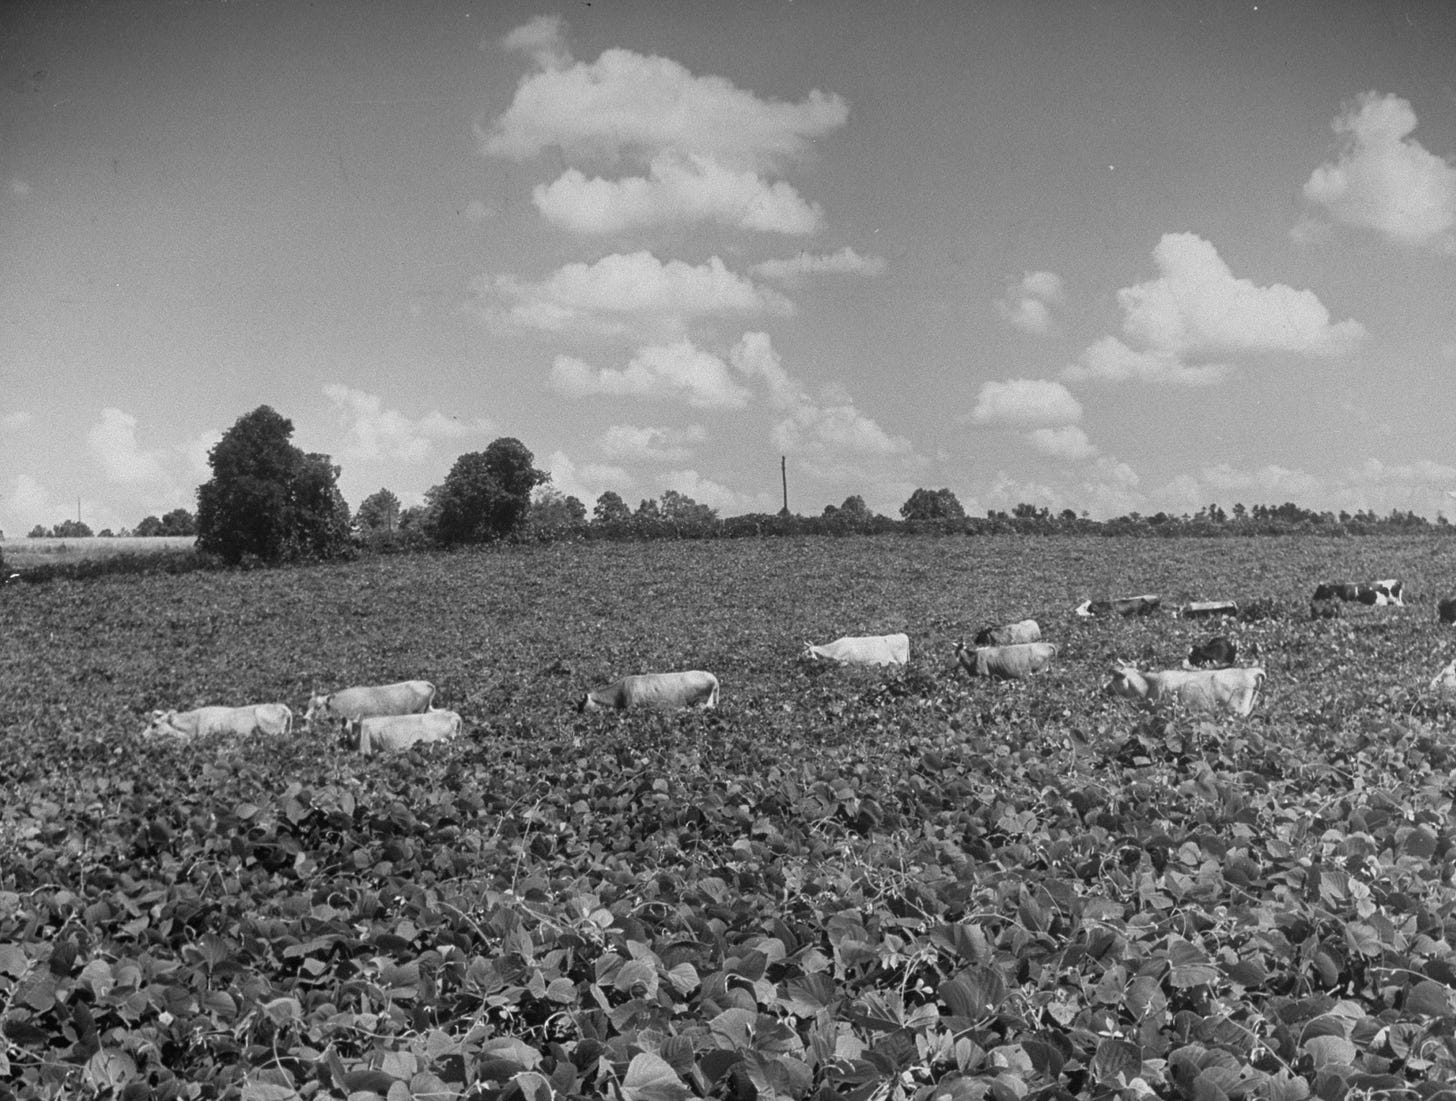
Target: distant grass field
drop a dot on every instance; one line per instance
(20, 553)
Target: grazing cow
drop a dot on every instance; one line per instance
(1217, 653)
(691, 688)
(1200, 609)
(395, 733)
(1025, 630)
(1377, 593)
(861, 650)
(258, 718)
(1328, 608)
(1146, 604)
(407, 697)
(1233, 690)
(1446, 609)
(1014, 662)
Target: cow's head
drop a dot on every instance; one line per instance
(318, 704)
(160, 722)
(1126, 681)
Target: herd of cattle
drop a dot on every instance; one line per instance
(393, 717)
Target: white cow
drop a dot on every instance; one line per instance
(862, 650)
(1009, 634)
(1014, 662)
(258, 718)
(394, 733)
(1446, 679)
(1233, 690)
(407, 697)
(691, 688)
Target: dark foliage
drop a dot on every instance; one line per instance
(267, 499)
(487, 494)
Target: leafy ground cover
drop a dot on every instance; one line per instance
(843, 883)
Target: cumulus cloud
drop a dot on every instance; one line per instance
(1383, 180)
(1068, 442)
(1026, 403)
(626, 104)
(585, 481)
(676, 189)
(629, 443)
(373, 433)
(794, 270)
(1424, 471)
(1027, 305)
(1271, 478)
(626, 294)
(1184, 326)
(114, 445)
(680, 371)
(815, 426)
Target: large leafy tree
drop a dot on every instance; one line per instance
(611, 509)
(932, 504)
(487, 493)
(268, 498)
(379, 512)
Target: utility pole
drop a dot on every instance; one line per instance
(784, 473)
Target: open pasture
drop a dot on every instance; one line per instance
(844, 882)
(22, 553)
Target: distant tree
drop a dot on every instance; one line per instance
(1067, 516)
(268, 498)
(553, 512)
(932, 504)
(680, 509)
(610, 509)
(179, 522)
(647, 509)
(379, 512)
(72, 529)
(37, 532)
(487, 493)
(1024, 511)
(854, 505)
(106, 533)
(150, 526)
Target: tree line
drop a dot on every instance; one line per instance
(268, 500)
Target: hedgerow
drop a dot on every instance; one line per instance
(844, 883)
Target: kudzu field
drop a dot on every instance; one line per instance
(844, 883)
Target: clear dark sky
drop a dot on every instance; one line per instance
(1105, 256)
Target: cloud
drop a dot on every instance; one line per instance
(626, 104)
(679, 371)
(817, 427)
(629, 443)
(1026, 403)
(1382, 180)
(1110, 360)
(1068, 442)
(373, 433)
(1295, 485)
(794, 270)
(1027, 305)
(677, 189)
(705, 491)
(586, 481)
(631, 294)
(14, 422)
(113, 444)
(1184, 326)
(1423, 472)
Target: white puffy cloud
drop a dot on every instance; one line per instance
(1424, 471)
(113, 444)
(794, 270)
(1184, 326)
(631, 294)
(1384, 181)
(628, 104)
(629, 443)
(680, 371)
(1290, 484)
(586, 481)
(1068, 442)
(373, 433)
(1027, 304)
(824, 426)
(705, 491)
(1110, 360)
(676, 189)
(1026, 403)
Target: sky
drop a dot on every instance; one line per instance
(1107, 256)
